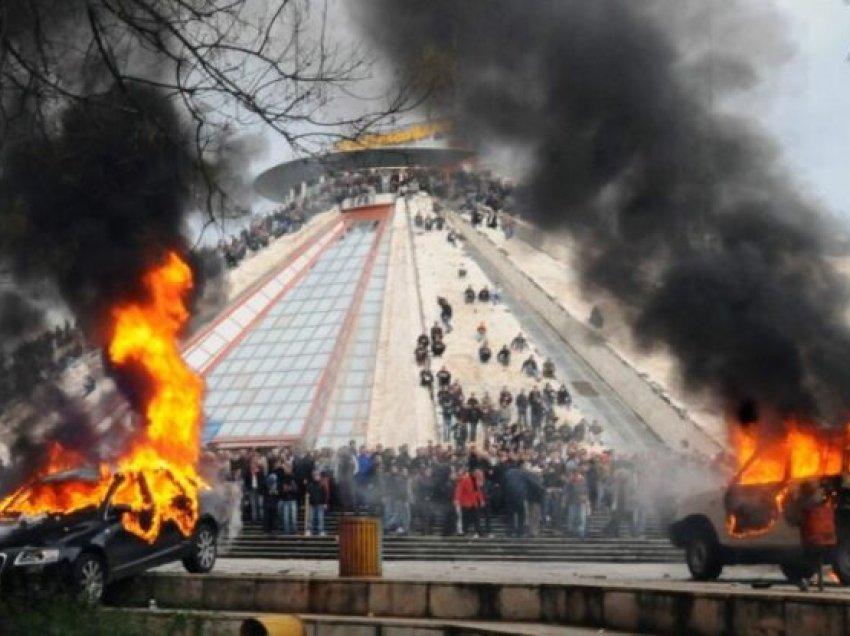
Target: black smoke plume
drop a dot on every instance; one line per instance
(19, 318)
(680, 212)
(94, 206)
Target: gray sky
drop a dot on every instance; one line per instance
(808, 103)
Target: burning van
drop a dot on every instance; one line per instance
(756, 519)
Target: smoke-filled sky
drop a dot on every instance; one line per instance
(645, 138)
(804, 101)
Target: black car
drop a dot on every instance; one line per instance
(86, 550)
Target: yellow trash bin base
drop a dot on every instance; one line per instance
(272, 625)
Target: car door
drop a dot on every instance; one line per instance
(124, 549)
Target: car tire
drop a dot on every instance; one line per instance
(841, 561)
(796, 571)
(88, 577)
(702, 554)
(204, 550)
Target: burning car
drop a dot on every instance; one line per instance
(756, 519)
(90, 547)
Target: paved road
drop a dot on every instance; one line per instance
(624, 429)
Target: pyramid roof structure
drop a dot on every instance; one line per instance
(292, 360)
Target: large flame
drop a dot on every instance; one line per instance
(157, 479)
(799, 453)
(766, 458)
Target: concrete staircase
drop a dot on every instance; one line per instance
(550, 546)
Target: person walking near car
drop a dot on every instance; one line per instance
(817, 528)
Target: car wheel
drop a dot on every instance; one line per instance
(703, 557)
(89, 578)
(204, 550)
(841, 561)
(796, 571)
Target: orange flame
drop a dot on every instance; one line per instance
(159, 482)
(798, 454)
(801, 452)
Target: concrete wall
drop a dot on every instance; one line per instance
(660, 610)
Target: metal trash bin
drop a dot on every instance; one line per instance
(360, 546)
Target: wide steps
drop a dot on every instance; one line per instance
(456, 548)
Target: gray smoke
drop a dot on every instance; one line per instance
(681, 213)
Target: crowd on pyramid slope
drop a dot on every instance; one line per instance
(512, 441)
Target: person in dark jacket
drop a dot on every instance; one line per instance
(288, 505)
(445, 313)
(318, 493)
(270, 502)
(442, 495)
(485, 353)
(520, 487)
(515, 497)
(522, 408)
(436, 332)
(253, 484)
(438, 347)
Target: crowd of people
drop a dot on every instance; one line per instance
(442, 490)
(260, 231)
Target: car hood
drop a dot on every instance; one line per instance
(44, 530)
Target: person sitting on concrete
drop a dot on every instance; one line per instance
(484, 295)
(596, 320)
(438, 347)
(548, 368)
(438, 223)
(421, 355)
(481, 331)
(519, 343)
(484, 353)
(444, 378)
(445, 313)
(450, 237)
(429, 223)
(563, 397)
(504, 356)
(426, 379)
(469, 295)
(529, 367)
(423, 341)
(436, 331)
(496, 295)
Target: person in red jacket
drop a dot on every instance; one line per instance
(470, 499)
